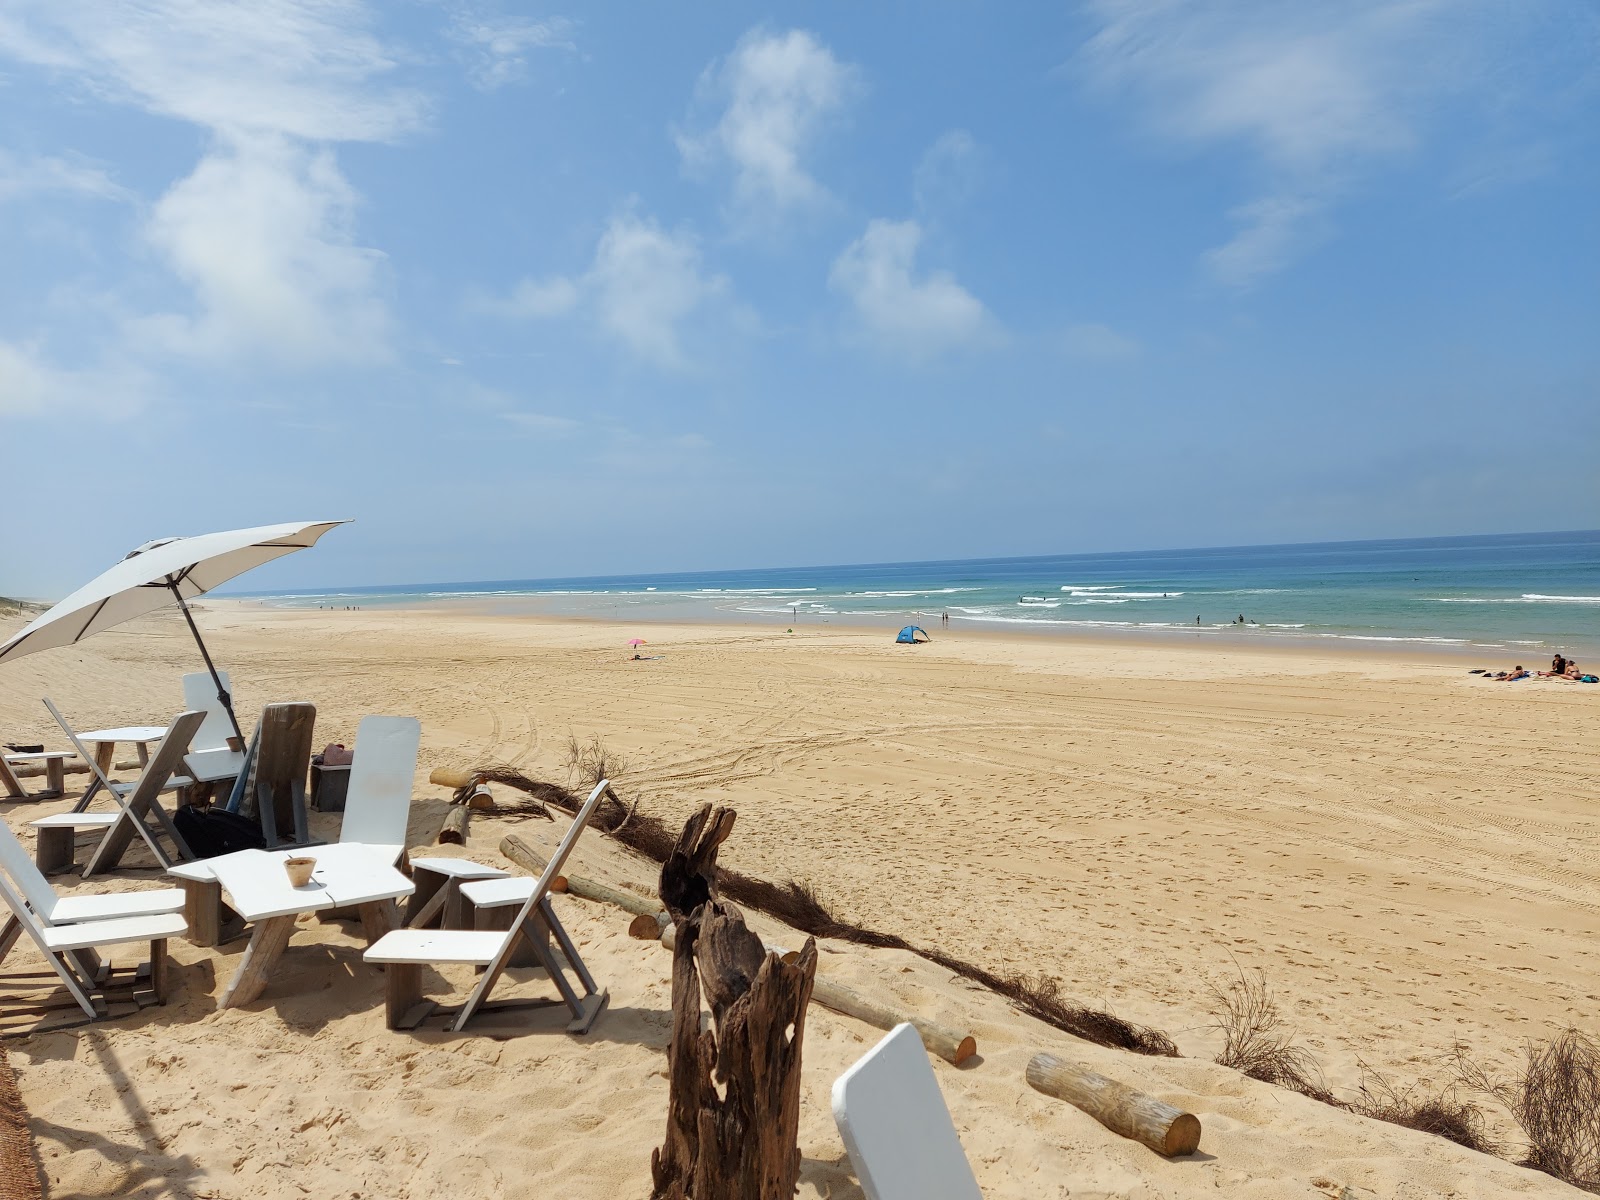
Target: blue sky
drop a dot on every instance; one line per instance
(533, 292)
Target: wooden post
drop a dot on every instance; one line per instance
(202, 908)
(159, 969)
(951, 1045)
(56, 849)
(402, 993)
(453, 779)
(1165, 1129)
(741, 1144)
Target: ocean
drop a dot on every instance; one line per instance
(1525, 594)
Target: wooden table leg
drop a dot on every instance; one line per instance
(267, 943)
(378, 918)
(403, 1006)
(158, 969)
(202, 908)
(55, 851)
(143, 751)
(55, 776)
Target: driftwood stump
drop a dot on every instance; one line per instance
(741, 1143)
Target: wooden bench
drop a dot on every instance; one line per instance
(56, 850)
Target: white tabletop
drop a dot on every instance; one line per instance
(126, 733)
(258, 887)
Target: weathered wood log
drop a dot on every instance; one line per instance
(454, 830)
(454, 779)
(949, 1044)
(1155, 1123)
(70, 766)
(530, 860)
(741, 1143)
(647, 927)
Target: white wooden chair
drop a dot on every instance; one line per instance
(406, 951)
(141, 797)
(210, 758)
(896, 1127)
(70, 949)
(377, 806)
(54, 909)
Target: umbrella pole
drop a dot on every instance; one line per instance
(222, 693)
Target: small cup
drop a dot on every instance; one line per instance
(299, 870)
(236, 744)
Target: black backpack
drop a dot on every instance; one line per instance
(214, 831)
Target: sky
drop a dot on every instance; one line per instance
(533, 292)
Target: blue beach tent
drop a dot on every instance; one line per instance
(908, 635)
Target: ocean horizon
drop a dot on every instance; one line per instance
(1513, 592)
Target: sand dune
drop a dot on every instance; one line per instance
(1398, 847)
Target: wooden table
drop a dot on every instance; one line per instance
(105, 751)
(347, 874)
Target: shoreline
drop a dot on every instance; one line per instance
(1218, 639)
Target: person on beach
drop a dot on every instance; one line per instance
(1558, 666)
(1509, 676)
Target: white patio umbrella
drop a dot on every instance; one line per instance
(176, 568)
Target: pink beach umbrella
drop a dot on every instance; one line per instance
(636, 641)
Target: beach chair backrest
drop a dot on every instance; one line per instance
(377, 804)
(14, 862)
(896, 1127)
(200, 692)
(83, 752)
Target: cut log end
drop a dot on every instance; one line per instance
(454, 832)
(968, 1046)
(1184, 1136)
(645, 928)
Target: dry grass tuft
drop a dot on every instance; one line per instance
(1039, 996)
(1256, 1041)
(1442, 1113)
(1556, 1101)
(590, 762)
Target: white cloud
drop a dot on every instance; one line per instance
(1096, 341)
(298, 67)
(263, 229)
(1316, 93)
(644, 283)
(904, 313)
(777, 90)
(30, 385)
(543, 423)
(23, 177)
(498, 46)
(948, 173)
(533, 298)
(262, 232)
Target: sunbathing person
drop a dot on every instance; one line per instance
(1518, 673)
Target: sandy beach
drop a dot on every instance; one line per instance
(1400, 849)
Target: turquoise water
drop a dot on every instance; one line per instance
(1522, 594)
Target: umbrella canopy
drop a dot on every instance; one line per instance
(160, 572)
(635, 641)
(151, 575)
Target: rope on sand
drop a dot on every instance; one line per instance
(19, 1173)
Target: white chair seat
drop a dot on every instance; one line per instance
(69, 909)
(427, 946)
(210, 766)
(83, 820)
(108, 933)
(497, 893)
(458, 868)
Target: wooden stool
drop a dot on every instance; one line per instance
(495, 903)
(56, 850)
(55, 774)
(437, 901)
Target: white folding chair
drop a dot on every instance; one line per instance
(70, 948)
(210, 758)
(54, 909)
(896, 1127)
(142, 796)
(406, 951)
